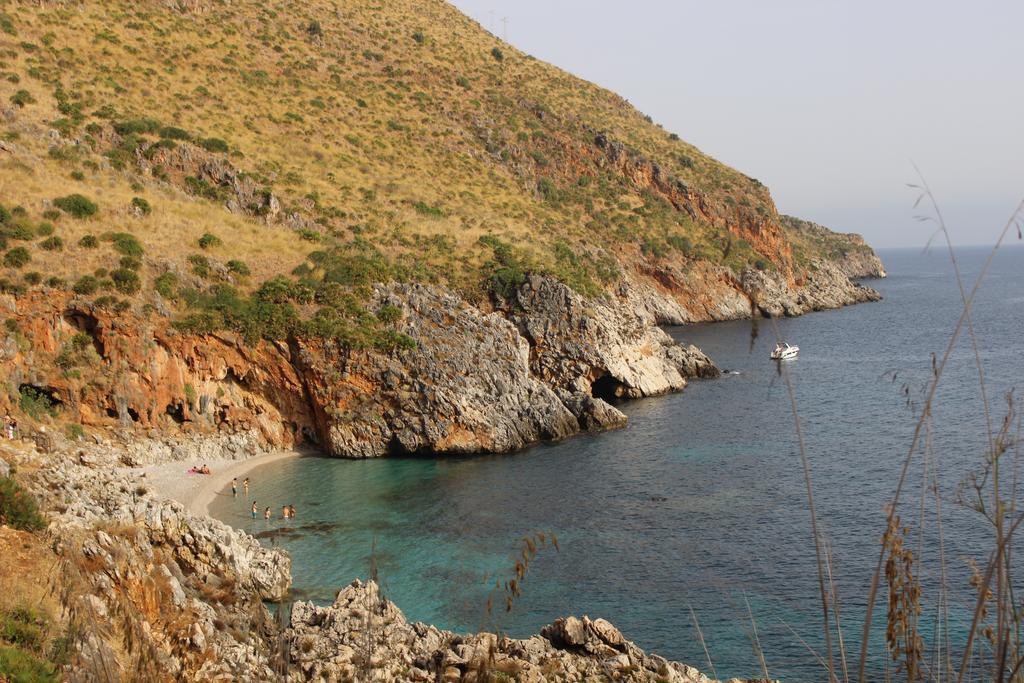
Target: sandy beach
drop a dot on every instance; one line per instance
(196, 491)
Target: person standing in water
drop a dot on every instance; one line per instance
(284, 512)
(254, 509)
(291, 511)
(266, 514)
(234, 486)
(245, 486)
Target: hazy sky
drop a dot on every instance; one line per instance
(829, 103)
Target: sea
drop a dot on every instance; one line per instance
(690, 529)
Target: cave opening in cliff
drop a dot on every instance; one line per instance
(606, 388)
(176, 411)
(83, 322)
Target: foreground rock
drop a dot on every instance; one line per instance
(362, 636)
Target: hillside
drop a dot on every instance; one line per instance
(264, 185)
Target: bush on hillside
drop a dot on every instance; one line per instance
(88, 242)
(54, 243)
(209, 240)
(76, 205)
(126, 281)
(87, 284)
(174, 133)
(137, 126)
(239, 268)
(17, 257)
(22, 98)
(497, 54)
(141, 206)
(125, 243)
(214, 145)
(17, 508)
(166, 285)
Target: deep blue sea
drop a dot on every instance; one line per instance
(700, 502)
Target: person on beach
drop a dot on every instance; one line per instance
(266, 514)
(245, 486)
(234, 492)
(204, 469)
(254, 509)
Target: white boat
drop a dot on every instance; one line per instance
(784, 351)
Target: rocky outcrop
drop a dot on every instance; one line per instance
(363, 636)
(599, 347)
(80, 496)
(826, 286)
(543, 368)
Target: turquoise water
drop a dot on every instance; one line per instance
(700, 502)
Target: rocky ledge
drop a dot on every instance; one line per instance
(363, 636)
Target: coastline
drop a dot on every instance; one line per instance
(196, 491)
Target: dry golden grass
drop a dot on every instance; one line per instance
(369, 107)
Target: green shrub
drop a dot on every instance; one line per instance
(126, 281)
(85, 285)
(17, 508)
(239, 268)
(131, 263)
(419, 37)
(5, 215)
(8, 287)
(137, 126)
(88, 242)
(33, 278)
(54, 243)
(208, 241)
(22, 98)
(76, 205)
(19, 229)
(125, 244)
(141, 205)
(52, 214)
(214, 145)
(45, 229)
(35, 403)
(17, 257)
(497, 53)
(173, 133)
(425, 209)
(200, 265)
(75, 431)
(166, 285)
(56, 282)
(389, 314)
(18, 665)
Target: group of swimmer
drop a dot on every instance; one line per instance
(287, 511)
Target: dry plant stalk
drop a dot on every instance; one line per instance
(901, 633)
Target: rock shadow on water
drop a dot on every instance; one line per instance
(290, 533)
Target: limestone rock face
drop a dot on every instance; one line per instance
(599, 348)
(363, 636)
(465, 388)
(827, 286)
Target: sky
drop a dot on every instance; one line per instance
(831, 104)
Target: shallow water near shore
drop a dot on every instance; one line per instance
(700, 502)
